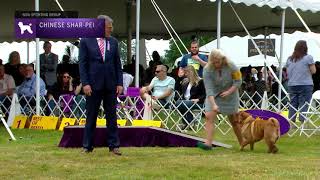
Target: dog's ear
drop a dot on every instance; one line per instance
(239, 117)
(242, 115)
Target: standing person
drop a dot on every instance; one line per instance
(101, 77)
(222, 80)
(316, 77)
(48, 65)
(198, 61)
(300, 68)
(259, 87)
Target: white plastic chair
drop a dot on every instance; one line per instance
(312, 110)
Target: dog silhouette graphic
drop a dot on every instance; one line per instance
(24, 28)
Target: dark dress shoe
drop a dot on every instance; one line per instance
(115, 151)
(85, 150)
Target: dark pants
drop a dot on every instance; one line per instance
(92, 107)
(299, 96)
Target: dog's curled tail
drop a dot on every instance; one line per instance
(276, 124)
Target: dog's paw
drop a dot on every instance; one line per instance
(275, 150)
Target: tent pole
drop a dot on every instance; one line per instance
(218, 23)
(265, 57)
(37, 68)
(137, 42)
(256, 46)
(28, 53)
(129, 28)
(281, 57)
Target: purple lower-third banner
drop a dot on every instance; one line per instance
(59, 28)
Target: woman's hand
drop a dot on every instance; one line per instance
(229, 91)
(215, 108)
(87, 90)
(70, 79)
(225, 93)
(195, 100)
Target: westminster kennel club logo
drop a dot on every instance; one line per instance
(24, 27)
(56, 28)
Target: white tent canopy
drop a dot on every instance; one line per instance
(304, 5)
(186, 16)
(199, 18)
(236, 48)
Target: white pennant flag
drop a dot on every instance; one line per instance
(265, 102)
(15, 109)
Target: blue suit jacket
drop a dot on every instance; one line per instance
(94, 71)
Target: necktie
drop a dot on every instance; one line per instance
(101, 46)
(108, 45)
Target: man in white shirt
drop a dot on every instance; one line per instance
(162, 87)
(127, 81)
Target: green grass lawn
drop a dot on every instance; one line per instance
(36, 156)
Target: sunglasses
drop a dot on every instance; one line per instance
(157, 71)
(66, 77)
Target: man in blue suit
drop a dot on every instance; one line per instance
(101, 77)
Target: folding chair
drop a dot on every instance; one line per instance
(167, 110)
(131, 104)
(66, 101)
(196, 111)
(313, 111)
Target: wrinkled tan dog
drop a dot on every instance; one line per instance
(253, 130)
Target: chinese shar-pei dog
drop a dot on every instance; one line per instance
(253, 130)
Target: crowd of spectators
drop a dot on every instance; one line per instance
(158, 82)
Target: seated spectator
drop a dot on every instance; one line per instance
(28, 87)
(193, 92)
(162, 87)
(150, 72)
(156, 58)
(131, 69)
(65, 66)
(7, 87)
(259, 87)
(63, 86)
(12, 67)
(127, 81)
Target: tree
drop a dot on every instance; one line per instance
(123, 51)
